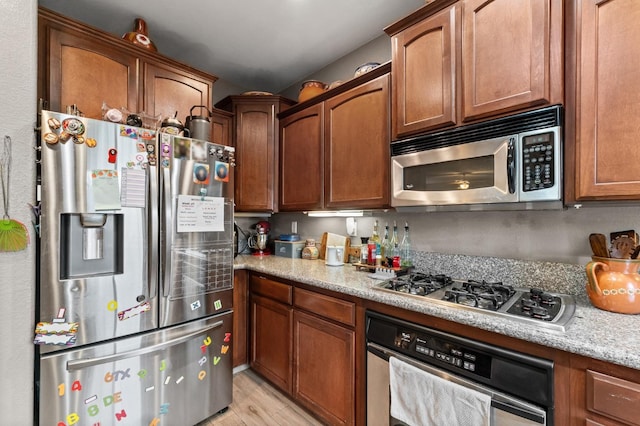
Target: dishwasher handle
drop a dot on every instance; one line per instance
(499, 400)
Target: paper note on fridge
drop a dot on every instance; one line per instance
(106, 190)
(200, 214)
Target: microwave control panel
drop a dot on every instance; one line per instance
(538, 162)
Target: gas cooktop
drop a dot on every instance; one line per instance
(551, 311)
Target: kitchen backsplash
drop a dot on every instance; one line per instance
(550, 276)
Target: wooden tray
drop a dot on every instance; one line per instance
(402, 270)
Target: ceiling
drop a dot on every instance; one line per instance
(257, 44)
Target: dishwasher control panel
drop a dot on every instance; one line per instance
(500, 368)
(438, 350)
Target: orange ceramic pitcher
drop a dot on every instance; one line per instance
(614, 284)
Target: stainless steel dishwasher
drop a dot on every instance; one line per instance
(520, 386)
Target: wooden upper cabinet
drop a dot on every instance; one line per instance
(506, 55)
(458, 62)
(221, 130)
(87, 72)
(168, 90)
(301, 160)
(424, 58)
(256, 135)
(357, 135)
(81, 65)
(606, 102)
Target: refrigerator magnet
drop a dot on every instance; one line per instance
(133, 311)
(198, 150)
(130, 132)
(217, 305)
(56, 333)
(222, 171)
(166, 150)
(201, 173)
(112, 155)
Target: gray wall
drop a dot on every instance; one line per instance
(377, 50)
(17, 118)
(553, 236)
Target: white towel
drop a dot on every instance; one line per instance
(419, 398)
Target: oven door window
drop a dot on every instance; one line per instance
(456, 175)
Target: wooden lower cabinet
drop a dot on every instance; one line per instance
(305, 343)
(271, 324)
(603, 393)
(324, 365)
(240, 317)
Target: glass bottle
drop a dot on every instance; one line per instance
(405, 247)
(373, 245)
(384, 245)
(393, 244)
(364, 258)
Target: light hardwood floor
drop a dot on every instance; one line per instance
(257, 403)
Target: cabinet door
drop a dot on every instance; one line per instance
(424, 58)
(255, 156)
(506, 55)
(86, 72)
(301, 160)
(169, 90)
(324, 368)
(221, 122)
(240, 318)
(607, 107)
(357, 136)
(271, 325)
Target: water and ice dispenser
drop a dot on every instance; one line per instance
(91, 244)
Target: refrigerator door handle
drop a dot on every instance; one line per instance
(167, 231)
(152, 267)
(85, 363)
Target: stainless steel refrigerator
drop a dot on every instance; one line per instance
(134, 301)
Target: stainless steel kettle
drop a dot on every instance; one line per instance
(199, 125)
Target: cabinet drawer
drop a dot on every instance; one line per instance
(272, 289)
(613, 397)
(326, 306)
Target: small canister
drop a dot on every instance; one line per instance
(310, 251)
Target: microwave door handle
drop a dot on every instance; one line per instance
(511, 166)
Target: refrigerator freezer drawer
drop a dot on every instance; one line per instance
(176, 376)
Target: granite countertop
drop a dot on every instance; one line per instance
(593, 332)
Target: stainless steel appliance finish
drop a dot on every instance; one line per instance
(196, 267)
(164, 377)
(520, 386)
(508, 163)
(137, 240)
(551, 311)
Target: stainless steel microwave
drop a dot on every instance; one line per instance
(513, 162)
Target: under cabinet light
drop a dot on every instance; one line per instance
(336, 213)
